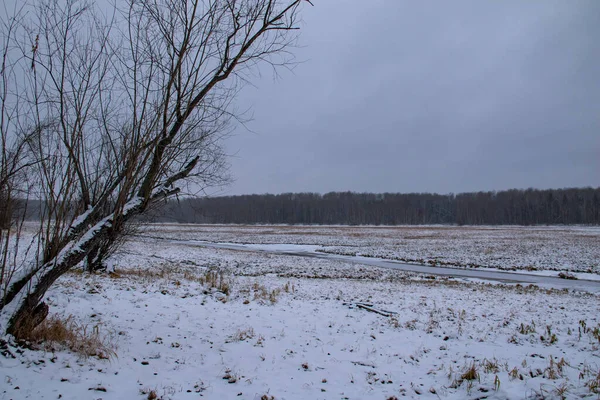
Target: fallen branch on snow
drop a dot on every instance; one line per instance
(370, 308)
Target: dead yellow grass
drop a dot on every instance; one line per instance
(261, 293)
(56, 333)
(212, 277)
(470, 374)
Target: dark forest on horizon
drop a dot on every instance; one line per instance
(508, 207)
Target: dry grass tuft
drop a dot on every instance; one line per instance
(514, 374)
(491, 366)
(55, 333)
(274, 295)
(242, 335)
(214, 278)
(593, 384)
(230, 377)
(526, 329)
(289, 287)
(150, 394)
(262, 293)
(470, 374)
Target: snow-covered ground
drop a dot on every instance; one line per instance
(291, 328)
(568, 248)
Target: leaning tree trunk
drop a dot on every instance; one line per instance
(31, 310)
(25, 303)
(27, 310)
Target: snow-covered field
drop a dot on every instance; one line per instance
(283, 327)
(569, 248)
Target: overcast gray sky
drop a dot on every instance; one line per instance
(429, 96)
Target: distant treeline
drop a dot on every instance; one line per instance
(510, 207)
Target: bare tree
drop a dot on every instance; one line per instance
(14, 163)
(122, 110)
